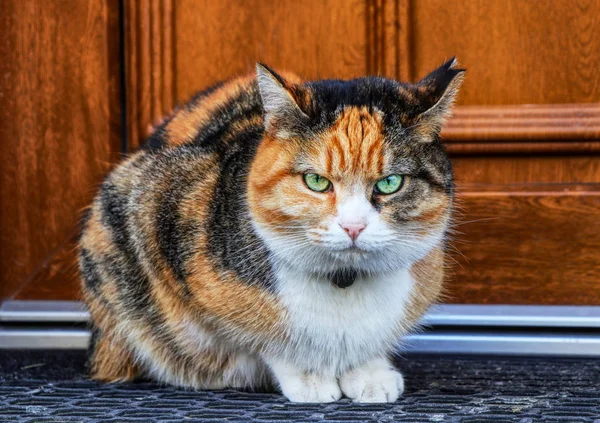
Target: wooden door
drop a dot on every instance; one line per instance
(525, 138)
(60, 127)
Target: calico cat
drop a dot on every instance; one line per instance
(274, 232)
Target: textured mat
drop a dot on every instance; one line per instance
(50, 387)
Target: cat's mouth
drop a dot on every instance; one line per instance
(349, 253)
(355, 250)
(347, 248)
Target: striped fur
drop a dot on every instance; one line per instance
(207, 262)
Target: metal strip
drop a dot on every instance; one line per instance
(513, 315)
(483, 341)
(442, 315)
(556, 345)
(456, 342)
(49, 339)
(43, 311)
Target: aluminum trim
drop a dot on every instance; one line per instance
(44, 339)
(43, 311)
(456, 342)
(441, 315)
(566, 345)
(513, 315)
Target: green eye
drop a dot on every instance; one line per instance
(316, 182)
(389, 184)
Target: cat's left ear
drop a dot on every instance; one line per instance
(437, 93)
(282, 103)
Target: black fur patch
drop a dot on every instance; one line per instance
(212, 135)
(158, 138)
(92, 279)
(233, 243)
(176, 236)
(343, 278)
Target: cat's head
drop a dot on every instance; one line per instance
(351, 174)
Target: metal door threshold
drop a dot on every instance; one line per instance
(451, 329)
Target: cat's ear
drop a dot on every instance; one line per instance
(282, 103)
(437, 93)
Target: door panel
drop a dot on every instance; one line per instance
(525, 138)
(59, 132)
(529, 244)
(517, 52)
(526, 169)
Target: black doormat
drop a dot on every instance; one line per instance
(51, 387)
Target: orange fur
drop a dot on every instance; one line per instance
(112, 361)
(428, 275)
(186, 124)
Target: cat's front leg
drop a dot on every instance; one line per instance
(302, 386)
(375, 381)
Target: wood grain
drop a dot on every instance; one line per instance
(60, 126)
(536, 246)
(382, 32)
(404, 41)
(176, 49)
(512, 170)
(563, 122)
(314, 38)
(515, 52)
(523, 148)
(57, 278)
(524, 140)
(149, 63)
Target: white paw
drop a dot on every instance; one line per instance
(374, 382)
(311, 388)
(300, 386)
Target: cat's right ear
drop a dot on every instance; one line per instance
(284, 117)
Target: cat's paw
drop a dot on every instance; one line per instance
(375, 382)
(300, 386)
(311, 388)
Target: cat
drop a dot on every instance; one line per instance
(274, 233)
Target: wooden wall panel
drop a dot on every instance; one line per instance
(497, 170)
(60, 130)
(314, 38)
(150, 77)
(538, 123)
(528, 245)
(525, 141)
(516, 52)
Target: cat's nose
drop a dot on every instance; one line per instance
(353, 229)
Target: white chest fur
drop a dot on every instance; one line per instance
(334, 329)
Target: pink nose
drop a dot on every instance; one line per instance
(353, 229)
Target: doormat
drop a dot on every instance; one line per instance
(51, 386)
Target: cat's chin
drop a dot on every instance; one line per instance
(328, 262)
